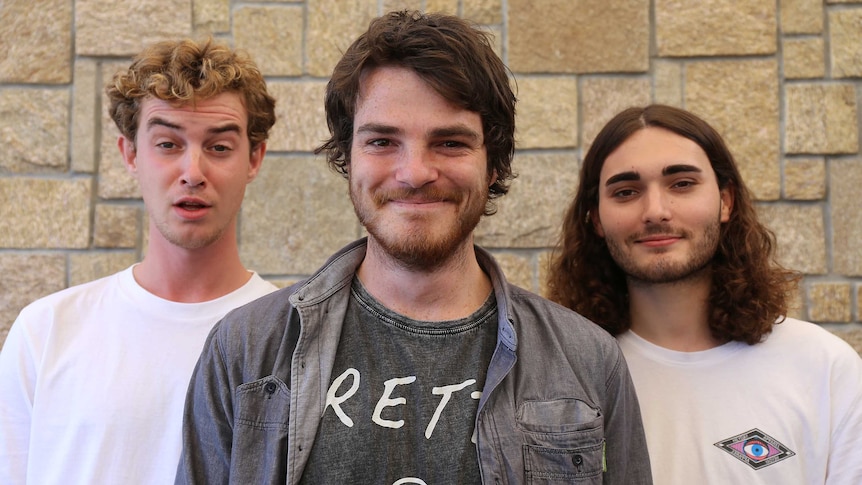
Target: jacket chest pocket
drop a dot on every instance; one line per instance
(583, 465)
(563, 442)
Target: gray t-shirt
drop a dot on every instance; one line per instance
(401, 406)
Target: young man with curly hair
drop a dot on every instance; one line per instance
(93, 378)
(662, 247)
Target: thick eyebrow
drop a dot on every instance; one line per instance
(227, 128)
(442, 132)
(632, 176)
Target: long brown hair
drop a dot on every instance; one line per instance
(749, 289)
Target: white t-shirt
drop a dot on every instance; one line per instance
(93, 380)
(784, 411)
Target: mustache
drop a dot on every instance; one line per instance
(658, 229)
(425, 194)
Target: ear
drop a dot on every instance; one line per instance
(492, 178)
(726, 195)
(593, 216)
(256, 160)
(129, 154)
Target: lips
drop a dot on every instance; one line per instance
(191, 204)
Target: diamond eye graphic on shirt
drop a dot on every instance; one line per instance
(755, 448)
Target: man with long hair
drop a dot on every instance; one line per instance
(408, 358)
(662, 247)
(93, 378)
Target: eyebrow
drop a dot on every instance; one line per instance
(632, 175)
(229, 127)
(442, 132)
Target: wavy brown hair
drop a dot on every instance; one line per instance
(749, 289)
(450, 54)
(183, 71)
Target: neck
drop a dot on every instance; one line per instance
(673, 315)
(454, 289)
(191, 275)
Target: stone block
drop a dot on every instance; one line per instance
(604, 97)
(273, 37)
(805, 178)
(547, 112)
(530, 215)
(332, 26)
(211, 16)
(687, 28)
(517, 268)
(34, 130)
(740, 100)
(37, 41)
(488, 12)
(543, 270)
(821, 118)
(845, 42)
(115, 182)
(845, 178)
(390, 5)
(830, 302)
(43, 213)
(667, 82)
(301, 119)
(295, 215)
(801, 16)
(85, 267)
(111, 28)
(804, 58)
(116, 226)
(85, 115)
(799, 232)
(578, 36)
(445, 6)
(26, 278)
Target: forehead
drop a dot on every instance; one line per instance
(395, 95)
(223, 108)
(650, 150)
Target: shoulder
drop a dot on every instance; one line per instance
(538, 317)
(77, 296)
(811, 345)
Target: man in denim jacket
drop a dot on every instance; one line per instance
(408, 358)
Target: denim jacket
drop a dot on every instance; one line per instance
(558, 405)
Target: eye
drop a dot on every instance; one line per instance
(756, 449)
(221, 148)
(380, 142)
(683, 184)
(167, 145)
(624, 193)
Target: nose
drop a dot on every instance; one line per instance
(416, 168)
(656, 207)
(193, 169)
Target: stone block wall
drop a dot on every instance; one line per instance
(781, 79)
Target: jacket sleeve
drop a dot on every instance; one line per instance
(626, 455)
(17, 382)
(208, 419)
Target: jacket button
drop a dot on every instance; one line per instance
(578, 460)
(270, 388)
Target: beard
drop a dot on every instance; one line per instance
(419, 242)
(665, 270)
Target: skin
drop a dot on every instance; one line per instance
(192, 164)
(419, 182)
(660, 211)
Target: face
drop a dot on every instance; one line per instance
(660, 207)
(192, 164)
(418, 168)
